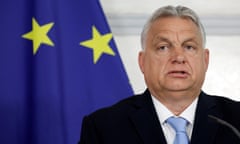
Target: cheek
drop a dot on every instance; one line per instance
(198, 66)
(154, 64)
(157, 66)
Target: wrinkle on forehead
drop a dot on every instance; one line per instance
(177, 30)
(175, 38)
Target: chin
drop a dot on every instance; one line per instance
(178, 88)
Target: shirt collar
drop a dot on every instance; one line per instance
(164, 113)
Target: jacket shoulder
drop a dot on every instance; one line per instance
(226, 102)
(122, 107)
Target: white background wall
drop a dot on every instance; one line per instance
(221, 20)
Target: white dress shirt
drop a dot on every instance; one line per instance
(164, 113)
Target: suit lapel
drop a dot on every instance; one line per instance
(146, 121)
(147, 125)
(204, 130)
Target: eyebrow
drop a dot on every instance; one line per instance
(191, 40)
(161, 38)
(165, 39)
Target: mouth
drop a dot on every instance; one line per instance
(178, 73)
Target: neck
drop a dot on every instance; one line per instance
(177, 102)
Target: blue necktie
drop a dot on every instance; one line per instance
(179, 125)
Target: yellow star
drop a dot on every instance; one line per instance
(99, 44)
(39, 35)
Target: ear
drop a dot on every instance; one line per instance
(141, 56)
(206, 58)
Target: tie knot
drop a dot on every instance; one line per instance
(178, 123)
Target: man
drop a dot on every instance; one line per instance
(174, 62)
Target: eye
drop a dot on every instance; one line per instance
(163, 48)
(189, 47)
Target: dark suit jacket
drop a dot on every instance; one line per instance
(134, 121)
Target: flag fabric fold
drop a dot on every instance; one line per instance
(58, 62)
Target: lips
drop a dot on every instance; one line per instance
(178, 73)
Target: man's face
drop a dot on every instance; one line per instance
(174, 59)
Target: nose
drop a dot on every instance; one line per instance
(178, 56)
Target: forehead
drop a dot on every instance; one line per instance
(168, 25)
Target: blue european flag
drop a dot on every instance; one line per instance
(58, 62)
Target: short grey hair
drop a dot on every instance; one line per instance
(171, 11)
